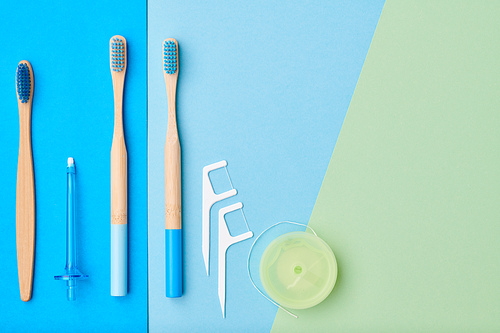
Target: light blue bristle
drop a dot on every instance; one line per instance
(117, 55)
(170, 57)
(23, 82)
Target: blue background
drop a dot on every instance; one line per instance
(264, 85)
(67, 45)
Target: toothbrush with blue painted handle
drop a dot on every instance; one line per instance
(118, 66)
(173, 213)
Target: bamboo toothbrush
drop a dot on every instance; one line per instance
(25, 194)
(118, 65)
(173, 225)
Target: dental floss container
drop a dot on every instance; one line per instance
(297, 269)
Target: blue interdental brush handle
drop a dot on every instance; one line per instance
(72, 272)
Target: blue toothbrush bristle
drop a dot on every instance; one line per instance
(23, 82)
(170, 57)
(117, 55)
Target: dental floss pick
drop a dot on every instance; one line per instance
(225, 238)
(210, 198)
(225, 241)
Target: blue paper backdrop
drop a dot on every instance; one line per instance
(67, 45)
(264, 85)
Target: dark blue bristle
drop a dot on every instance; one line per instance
(169, 57)
(117, 55)
(23, 82)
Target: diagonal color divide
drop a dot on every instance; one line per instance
(409, 203)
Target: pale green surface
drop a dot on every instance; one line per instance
(298, 270)
(410, 203)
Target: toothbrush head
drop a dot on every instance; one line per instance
(24, 81)
(118, 54)
(170, 56)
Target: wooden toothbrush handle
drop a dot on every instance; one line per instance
(118, 180)
(173, 215)
(25, 209)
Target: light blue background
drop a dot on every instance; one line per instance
(264, 85)
(67, 44)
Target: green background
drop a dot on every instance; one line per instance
(410, 201)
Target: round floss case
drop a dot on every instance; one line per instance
(298, 270)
